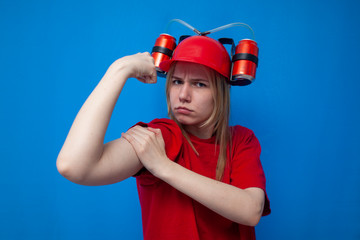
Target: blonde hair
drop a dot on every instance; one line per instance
(219, 117)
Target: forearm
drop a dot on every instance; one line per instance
(233, 203)
(83, 146)
(244, 206)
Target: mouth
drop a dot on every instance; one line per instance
(183, 110)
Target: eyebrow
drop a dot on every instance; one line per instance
(193, 79)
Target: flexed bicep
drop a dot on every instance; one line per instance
(118, 162)
(84, 159)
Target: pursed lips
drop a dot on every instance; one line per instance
(183, 110)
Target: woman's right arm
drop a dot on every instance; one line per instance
(84, 158)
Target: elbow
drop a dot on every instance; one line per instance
(62, 167)
(255, 215)
(252, 216)
(254, 220)
(250, 221)
(68, 170)
(254, 207)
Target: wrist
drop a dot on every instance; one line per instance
(166, 170)
(122, 67)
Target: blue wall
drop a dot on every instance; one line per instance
(304, 107)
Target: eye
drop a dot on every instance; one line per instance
(200, 84)
(176, 82)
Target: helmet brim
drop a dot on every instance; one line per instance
(166, 65)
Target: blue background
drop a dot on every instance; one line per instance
(304, 107)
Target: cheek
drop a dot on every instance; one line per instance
(211, 105)
(172, 97)
(208, 101)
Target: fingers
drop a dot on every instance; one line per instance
(148, 79)
(146, 70)
(139, 135)
(154, 130)
(148, 145)
(142, 136)
(140, 66)
(157, 133)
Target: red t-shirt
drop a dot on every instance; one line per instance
(170, 214)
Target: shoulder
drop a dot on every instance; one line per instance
(167, 126)
(165, 123)
(242, 134)
(171, 134)
(243, 140)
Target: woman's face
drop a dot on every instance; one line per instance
(190, 94)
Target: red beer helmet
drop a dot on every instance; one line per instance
(202, 50)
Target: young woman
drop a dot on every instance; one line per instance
(197, 177)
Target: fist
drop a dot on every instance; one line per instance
(140, 66)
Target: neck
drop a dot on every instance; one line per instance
(200, 132)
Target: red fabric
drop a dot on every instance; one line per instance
(169, 214)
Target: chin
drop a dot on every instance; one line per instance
(184, 120)
(187, 121)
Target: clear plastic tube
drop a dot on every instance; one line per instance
(229, 26)
(183, 23)
(212, 30)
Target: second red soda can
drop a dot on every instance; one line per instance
(163, 49)
(245, 62)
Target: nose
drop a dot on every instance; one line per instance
(185, 93)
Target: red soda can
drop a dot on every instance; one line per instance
(163, 50)
(245, 62)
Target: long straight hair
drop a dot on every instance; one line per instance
(219, 117)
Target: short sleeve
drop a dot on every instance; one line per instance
(171, 133)
(172, 136)
(246, 167)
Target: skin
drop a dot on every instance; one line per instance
(191, 98)
(84, 159)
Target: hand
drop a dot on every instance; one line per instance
(149, 146)
(140, 66)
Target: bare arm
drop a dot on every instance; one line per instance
(84, 158)
(244, 206)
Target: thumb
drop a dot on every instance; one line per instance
(150, 77)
